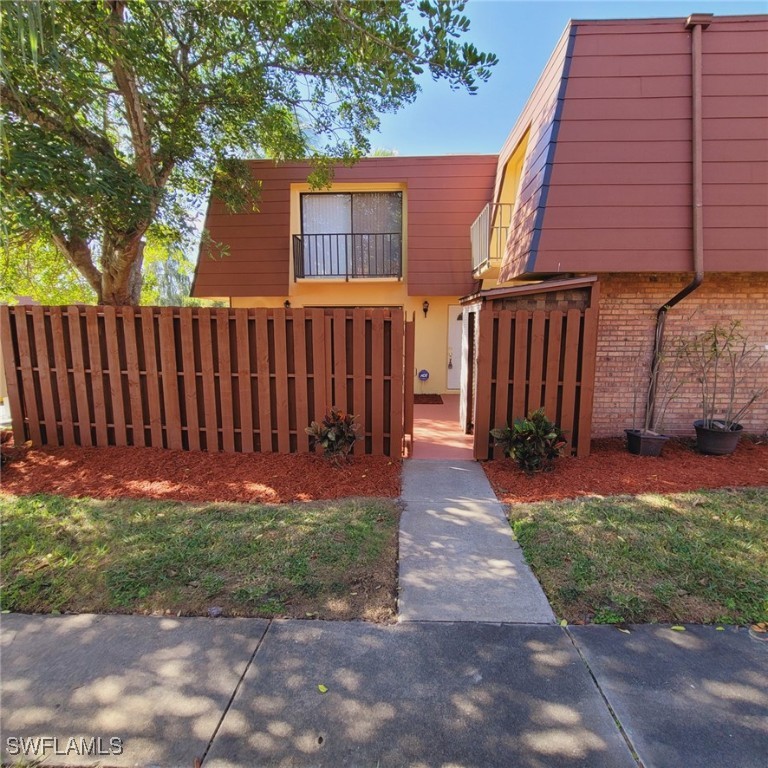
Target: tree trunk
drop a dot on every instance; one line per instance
(121, 277)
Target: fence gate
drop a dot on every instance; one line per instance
(205, 379)
(532, 359)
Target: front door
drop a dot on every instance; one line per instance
(453, 379)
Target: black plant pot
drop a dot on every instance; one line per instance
(644, 443)
(716, 442)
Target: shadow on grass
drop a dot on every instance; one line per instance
(80, 555)
(698, 557)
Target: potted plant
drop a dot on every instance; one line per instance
(656, 384)
(726, 367)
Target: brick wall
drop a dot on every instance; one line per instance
(628, 305)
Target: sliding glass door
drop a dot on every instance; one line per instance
(351, 234)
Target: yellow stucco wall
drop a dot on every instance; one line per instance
(508, 195)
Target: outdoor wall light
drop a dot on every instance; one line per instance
(425, 307)
(287, 304)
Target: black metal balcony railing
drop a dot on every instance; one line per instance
(489, 235)
(348, 255)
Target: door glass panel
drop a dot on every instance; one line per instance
(377, 222)
(326, 224)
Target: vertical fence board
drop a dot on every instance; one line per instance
(62, 376)
(191, 407)
(587, 386)
(318, 363)
(299, 328)
(11, 374)
(27, 376)
(570, 370)
(170, 379)
(537, 360)
(503, 353)
(553, 364)
(340, 358)
(134, 376)
(264, 385)
(83, 419)
(244, 379)
(44, 376)
(520, 368)
(114, 371)
(225, 381)
(328, 341)
(409, 375)
(377, 388)
(396, 386)
(97, 375)
(152, 377)
(208, 371)
(484, 370)
(282, 404)
(358, 375)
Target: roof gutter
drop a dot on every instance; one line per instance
(697, 23)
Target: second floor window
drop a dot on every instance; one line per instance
(350, 234)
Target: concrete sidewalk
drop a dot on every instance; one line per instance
(458, 559)
(244, 693)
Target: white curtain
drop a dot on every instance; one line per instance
(327, 219)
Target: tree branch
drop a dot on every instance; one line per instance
(334, 8)
(93, 144)
(134, 108)
(78, 252)
(75, 249)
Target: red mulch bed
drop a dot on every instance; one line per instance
(610, 470)
(152, 473)
(108, 473)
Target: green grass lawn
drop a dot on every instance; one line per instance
(330, 560)
(697, 557)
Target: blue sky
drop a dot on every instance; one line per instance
(522, 33)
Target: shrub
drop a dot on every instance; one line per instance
(336, 433)
(534, 443)
(729, 370)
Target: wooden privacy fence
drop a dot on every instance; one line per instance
(528, 360)
(205, 379)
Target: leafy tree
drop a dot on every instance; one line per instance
(118, 121)
(167, 276)
(39, 271)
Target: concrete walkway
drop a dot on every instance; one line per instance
(243, 693)
(458, 560)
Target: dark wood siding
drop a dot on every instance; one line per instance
(444, 194)
(619, 195)
(735, 131)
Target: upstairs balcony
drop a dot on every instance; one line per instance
(489, 237)
(348, 255)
